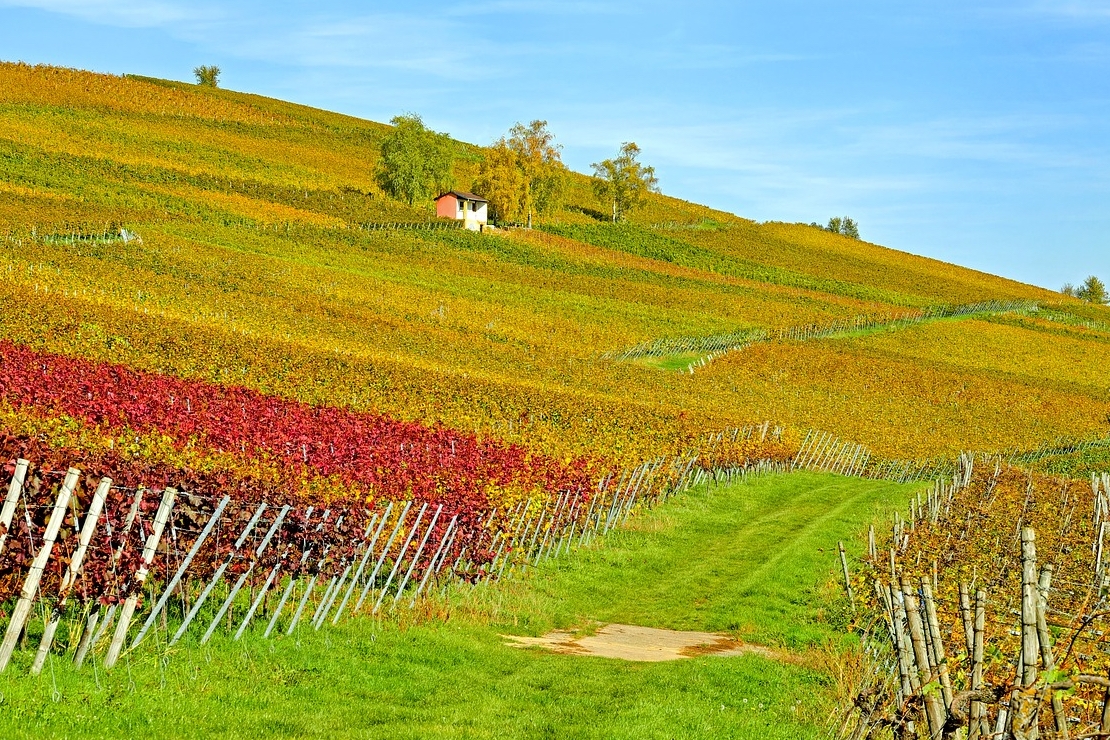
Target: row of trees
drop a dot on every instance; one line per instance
(843, 226)
(1092, 290)
(522, 174)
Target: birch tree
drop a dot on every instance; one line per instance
(622, 183)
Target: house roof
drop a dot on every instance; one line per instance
(462, 195)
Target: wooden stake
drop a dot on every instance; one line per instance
(92, 516)
(11, 501)
(1029, 599)
(968, 620)
(1044, 637)
(901, 641)
(933, 711)
(128, 610)
(936, 642)
(34, 575)
(847, 578)
(978, 710)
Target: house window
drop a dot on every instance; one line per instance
(462, 205)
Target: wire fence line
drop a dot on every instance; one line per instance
(716, 345)
(125, 565)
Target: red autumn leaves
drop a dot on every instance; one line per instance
(368, 452)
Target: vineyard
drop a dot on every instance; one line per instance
(988, 603)
(246, 395)
(87, 547)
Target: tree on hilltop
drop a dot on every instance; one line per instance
(623, 182)
(523, 174)
(843, 226)
(416, 161)
(207, 75)
(1093, 291)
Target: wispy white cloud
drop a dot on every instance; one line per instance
(720, 56)
(429, 45)
(125, 13)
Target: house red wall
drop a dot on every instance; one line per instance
(447, 207)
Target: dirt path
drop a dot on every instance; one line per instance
(628, 642)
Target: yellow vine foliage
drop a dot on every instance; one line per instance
(256, 267)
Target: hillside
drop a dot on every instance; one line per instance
(259, 265)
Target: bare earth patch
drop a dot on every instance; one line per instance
(628, 642)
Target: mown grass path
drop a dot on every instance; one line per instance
(752, 559)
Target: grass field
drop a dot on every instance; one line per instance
(757, 560)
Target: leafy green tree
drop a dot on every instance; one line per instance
(207, 75)
(1068, 289)
(622, 182)
(845, 226)
(523, 174)
(1093, 291)
(416, 162)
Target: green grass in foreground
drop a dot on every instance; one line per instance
(751, 558)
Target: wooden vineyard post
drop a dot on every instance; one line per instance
(1048, 660)
(182, 569)
(897, 639)
(34, 574)
(1104, 725)
(978, 710)
(72, 572)
(966, 618)
(1024, 703)
(15, 488)
(128, 611)
(1029, 599)
(936, 642)
(847, 577)
(933, 711)
(909, 678)
(98, 625)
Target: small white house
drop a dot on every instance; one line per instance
(471, 209)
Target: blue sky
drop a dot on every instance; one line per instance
(974, 132)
